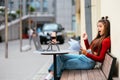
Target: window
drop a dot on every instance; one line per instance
(73, 2)
(1, 2)
(35, 4)
(50, 27)
(45, 5)
(73, 23)
(11, 4)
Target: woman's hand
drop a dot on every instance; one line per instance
(83, 51)
(84, 36)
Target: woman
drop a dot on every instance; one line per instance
(94, 52)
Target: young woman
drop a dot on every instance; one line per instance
(94, 52)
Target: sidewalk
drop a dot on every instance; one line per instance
(23, 65)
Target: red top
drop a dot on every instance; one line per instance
(105, 46)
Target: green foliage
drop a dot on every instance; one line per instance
(12, 15)
(31, 9)
(2, 10)
(18, 12)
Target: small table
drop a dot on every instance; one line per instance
(54, 53)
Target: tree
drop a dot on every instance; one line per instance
(18, 12)
(31, 9)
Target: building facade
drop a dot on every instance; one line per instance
(62, 10)
(56, 11)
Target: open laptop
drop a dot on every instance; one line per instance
(36, 41)
(38, 46)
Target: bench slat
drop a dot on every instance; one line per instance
(98, 75)
(65, 75)
(77, 75)
(91, 75)
(102, 75)
(84, 75)
(106, 66)
(71, 75)
(95, 74)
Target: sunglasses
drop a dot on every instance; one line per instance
(53, 37)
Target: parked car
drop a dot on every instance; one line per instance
(51, 27)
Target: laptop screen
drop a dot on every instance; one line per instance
(37, 43)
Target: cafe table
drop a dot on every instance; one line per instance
(55, 53)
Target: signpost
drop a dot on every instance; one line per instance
(6, 29)
(21, 25)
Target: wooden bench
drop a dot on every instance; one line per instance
(104, 72)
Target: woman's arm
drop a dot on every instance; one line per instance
(101, 56)
(85, 38)
(87, 45)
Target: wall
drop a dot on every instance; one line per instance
(77, 14)
(95, 10)
(111, 9)
(64, 13)
(13, 29)
(82, 21)
(105, 8)
(13, 32)
(88, 19)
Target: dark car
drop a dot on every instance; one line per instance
(51, 27)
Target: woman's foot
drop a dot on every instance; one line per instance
(49, 76)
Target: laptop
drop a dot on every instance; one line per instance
(36, 41)
(38, 46)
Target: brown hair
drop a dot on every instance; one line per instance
(97, 42)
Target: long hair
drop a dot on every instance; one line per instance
(97, 42)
